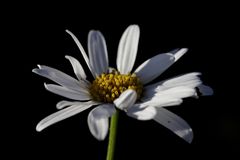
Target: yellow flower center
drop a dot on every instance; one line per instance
(108, 87)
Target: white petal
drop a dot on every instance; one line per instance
(190, 80)
(63, 104)
(60, 78)
(176, 124)
(178, 53)
(81, 50)
(205, 90)
(146, 113)
(155, 66)
(63, 114)
(169, 97)
(98, 120)
(176, 92)
(97, 50)
(68, 93)
(126, 99)
(127, 49)
(77, 67)
(164, 101)
(177, 81)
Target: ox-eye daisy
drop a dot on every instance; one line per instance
(121, 88)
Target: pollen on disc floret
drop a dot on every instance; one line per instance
(108, 87)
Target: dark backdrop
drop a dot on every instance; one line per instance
(39, 37)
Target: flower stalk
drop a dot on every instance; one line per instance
(112, 136)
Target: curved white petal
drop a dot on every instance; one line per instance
(176, 124)
(178, 53)
(68, 93)
(126, 99)
(60, 78)
(63, 114)
(127, 49)
(190, 80)
(136, 111)
(176, 92)
(177, 81)
(63, 104)
(171, 96)
(77, 68)
(205, 90)
(97, 50)
(98, 120)
(155, 66)
(81, 50)
(164, 101)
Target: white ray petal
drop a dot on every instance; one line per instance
(81, 50)
(63, 104)
(77, 67)
(177, 92)
(127, 49)
(63, 114)
(205, 90)
(98, 120)
(190, 80)
(176, 81)
(137, 112)
(60, 78)
(169, 96)
(68, 93)
(164, 101)
(178, 53)
(97, 50)
(176, 124)
(155, 66)
(126, 99)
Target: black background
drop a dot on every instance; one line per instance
(37, 36)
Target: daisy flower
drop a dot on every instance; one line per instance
(121, 89)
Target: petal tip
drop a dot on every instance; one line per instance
(34, 70)
(39, 128)
(135, 26)
(66, 30)
(45, 85)
(67, 56)
(39, 66)
(205, 90)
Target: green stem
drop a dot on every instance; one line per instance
(112, 136)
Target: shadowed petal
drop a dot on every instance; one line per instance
(97, 52)
(205, 90)
(98, 120)
(173, 122)
(155, 66)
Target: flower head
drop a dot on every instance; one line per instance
(121, 88)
